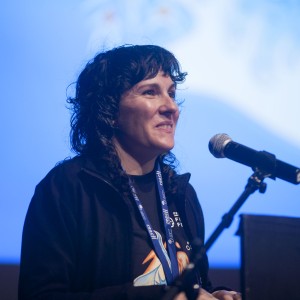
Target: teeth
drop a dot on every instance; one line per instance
(166, 126)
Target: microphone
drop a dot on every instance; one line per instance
(221, 145)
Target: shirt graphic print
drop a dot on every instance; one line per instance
(154, 273)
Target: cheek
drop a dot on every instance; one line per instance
(130, 119)
(137, 115)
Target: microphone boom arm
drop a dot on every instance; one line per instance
(255, 182)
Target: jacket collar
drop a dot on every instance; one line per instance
(95, 166)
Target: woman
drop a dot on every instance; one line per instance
(116, 221)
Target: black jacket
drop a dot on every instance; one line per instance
(77, 236)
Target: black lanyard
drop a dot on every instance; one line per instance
(169, 262)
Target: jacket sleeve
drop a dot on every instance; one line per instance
(197, 227)
(49, 256)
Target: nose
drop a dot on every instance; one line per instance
(169, 107)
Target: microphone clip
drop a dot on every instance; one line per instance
(266, 165)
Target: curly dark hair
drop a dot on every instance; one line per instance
(99, 88)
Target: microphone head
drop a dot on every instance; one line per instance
(217, 144)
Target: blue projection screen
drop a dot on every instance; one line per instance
(243, 62)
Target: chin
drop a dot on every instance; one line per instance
(161, 146)
(166, 148)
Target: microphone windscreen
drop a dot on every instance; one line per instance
(217, 144)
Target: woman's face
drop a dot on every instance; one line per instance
(147, 118)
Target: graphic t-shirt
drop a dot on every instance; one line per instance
(147, 268)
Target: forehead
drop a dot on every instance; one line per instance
(160, 79)
(161, 82)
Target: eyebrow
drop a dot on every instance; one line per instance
(155, 85)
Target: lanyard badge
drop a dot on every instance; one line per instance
(169, 262)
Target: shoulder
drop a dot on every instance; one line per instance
(193, 207)
(69, 165)
(70, 168)
(62, 188)
(185, 188)
(64, 176)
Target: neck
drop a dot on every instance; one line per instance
(133, 164)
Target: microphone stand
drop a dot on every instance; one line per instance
(255, 182)
(184, 281)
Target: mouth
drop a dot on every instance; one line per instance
(167, 126)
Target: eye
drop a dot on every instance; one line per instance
(172, 94)
(150, 92)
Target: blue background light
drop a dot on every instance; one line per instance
(243, 61)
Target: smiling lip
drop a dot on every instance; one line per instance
(167, 126)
